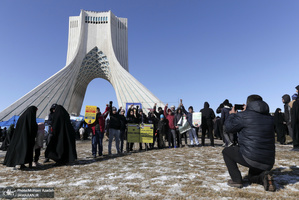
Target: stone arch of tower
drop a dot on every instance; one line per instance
(95, 50)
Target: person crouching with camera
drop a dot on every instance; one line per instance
(256, 149)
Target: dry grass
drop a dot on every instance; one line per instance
(183, 173)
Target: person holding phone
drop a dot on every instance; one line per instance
(256, 139)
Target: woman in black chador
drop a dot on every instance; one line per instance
(62, 146)
(7, 140)
(280, 126)
(20, 150)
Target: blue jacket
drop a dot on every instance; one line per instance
(255, 127)
(188, 117)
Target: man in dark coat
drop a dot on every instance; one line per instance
(256, 148)
(114, 128)
(295, 123)
(287, 113)
(228, 138)
(207, 117)
(62, 146)
(123, 127)
(20, 150)
(280, 127)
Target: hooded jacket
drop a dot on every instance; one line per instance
(170, 118)
(207, 115)
(255, 127)
(286, 98)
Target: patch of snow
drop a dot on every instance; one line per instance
(109, 187)
(81, 182)
(130, 176)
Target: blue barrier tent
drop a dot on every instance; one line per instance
(14, 119)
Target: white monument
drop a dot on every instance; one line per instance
(97, 48)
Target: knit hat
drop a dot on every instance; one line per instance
(114, 108)
(297, 87)
(161, 116)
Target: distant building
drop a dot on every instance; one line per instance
(97, 48)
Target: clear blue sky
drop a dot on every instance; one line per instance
(197, 50)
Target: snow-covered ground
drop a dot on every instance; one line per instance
(182, 173)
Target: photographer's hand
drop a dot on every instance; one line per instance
(232, 110)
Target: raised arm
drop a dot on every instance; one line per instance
(165, 110)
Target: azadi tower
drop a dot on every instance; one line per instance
(97, 48)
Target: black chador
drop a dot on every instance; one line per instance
(62, 146)
(20, 150)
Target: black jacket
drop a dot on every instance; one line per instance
(207, 115)
(255, 127)
(123, 122)
(287, 116)
(224, 114)
(177, 118)
(295, 123)
(114, 121)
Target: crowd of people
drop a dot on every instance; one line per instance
(247, 132)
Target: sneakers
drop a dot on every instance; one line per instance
(36, 164)
(234, 184)
(268, 182)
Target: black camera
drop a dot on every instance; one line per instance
(239, 107)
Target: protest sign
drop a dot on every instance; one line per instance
(196, 119)
(133, 133)
(90, 114)
(183, 125)
(146, 133)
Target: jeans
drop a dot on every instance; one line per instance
(192, 134)
(228, 138)
(232, 156)
(122, 138)
(113, 133)
(206, 128)
(179, 138)
(171, 138)
(97, 139)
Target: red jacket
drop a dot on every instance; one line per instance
(170, 118)
(101, 120)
